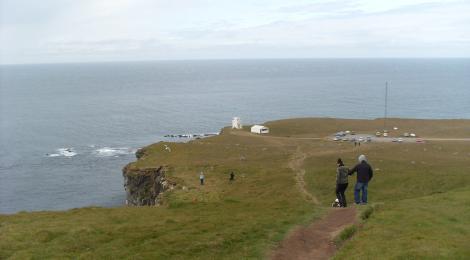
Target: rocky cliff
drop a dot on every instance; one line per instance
(144, 187)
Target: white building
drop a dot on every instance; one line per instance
(259, 129)
(236, 123)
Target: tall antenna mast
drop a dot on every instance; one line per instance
(386, 104)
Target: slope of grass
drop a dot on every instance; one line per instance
(401, 171)
(226, 220)
(320, 127)
(245, 219)
(429, 227)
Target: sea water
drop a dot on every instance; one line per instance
(68, 129)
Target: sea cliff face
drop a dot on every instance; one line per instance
(144, 187)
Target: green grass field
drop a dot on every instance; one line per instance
(421, 192)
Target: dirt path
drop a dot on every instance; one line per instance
(296, 165)
(245, 133)
(316, 240)
(448, 139)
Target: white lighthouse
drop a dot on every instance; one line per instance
(236, 123)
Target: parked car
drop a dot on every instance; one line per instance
(406, 135)
(340, 134)
(361, 139)
(394, 140)
(400, 140)
(385, 134)
(336, 138)
(378, 134)
(345, 139)
(419, 140)
(369, 139)
(412, 135)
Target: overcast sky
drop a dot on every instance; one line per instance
(44, 31)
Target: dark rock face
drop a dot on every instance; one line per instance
(144, 187)
(140, 153)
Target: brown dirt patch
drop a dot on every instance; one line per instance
(316, 240)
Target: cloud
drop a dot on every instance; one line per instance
(94, 30)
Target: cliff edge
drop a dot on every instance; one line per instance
(144, 187)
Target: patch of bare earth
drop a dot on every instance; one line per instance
(316, 240)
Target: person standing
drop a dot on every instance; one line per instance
(232, 177)
(364, 175)
(341, 182)
(201, 178)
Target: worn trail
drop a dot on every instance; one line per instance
(316, 240)
(296, 165)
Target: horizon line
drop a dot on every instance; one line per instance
(230, 59)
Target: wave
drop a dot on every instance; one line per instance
(65, 152)
(110, 151)
(101, 152)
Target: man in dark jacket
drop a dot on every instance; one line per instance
(364, 175)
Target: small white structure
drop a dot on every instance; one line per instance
(259, 129)
(236, 123)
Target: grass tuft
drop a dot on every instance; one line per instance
(365, 214)
(345, 234)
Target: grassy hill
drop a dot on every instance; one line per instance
(420, 190)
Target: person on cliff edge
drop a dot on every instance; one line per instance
(364, 175)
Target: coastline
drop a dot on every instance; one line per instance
(282, 180)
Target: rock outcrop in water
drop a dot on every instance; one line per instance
(144, 187)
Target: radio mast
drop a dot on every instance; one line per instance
(386, 105)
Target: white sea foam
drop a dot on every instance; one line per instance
(110, 151)
(65, 152)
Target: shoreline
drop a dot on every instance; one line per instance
(330, 120)
(283, 181)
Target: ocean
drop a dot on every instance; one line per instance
(68, 129)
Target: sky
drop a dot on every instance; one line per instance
(56, 31)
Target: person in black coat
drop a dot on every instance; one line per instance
(364, 175)
(341, 182)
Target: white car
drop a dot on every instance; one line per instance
(400, 140)
(413, 135)
(336, 139)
